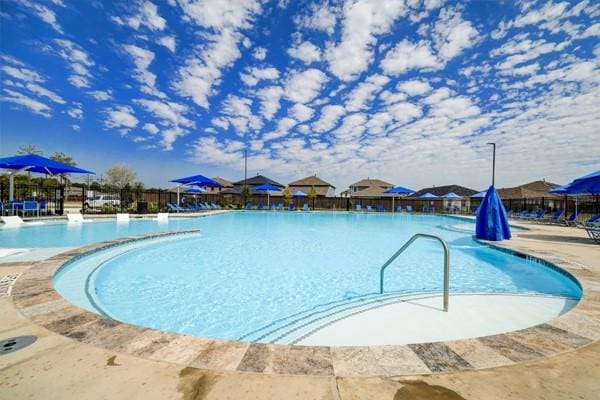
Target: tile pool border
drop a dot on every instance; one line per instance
(34, 296)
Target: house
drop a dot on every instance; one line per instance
(225, 184)
(535, 189)
(367, 188)
(442, 190)
(252, 182)
(323, 189)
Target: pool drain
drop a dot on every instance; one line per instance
(17, 343)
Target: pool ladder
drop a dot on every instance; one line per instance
(405, 246)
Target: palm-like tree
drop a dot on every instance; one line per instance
(29, 149)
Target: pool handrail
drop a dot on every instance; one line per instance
(446, 263)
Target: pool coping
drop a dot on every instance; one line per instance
(35, 297)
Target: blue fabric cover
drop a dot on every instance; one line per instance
(492, 222)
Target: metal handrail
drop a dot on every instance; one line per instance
(446, 263)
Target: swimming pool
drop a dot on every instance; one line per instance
(248, 275)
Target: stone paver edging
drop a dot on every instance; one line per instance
(35, 297)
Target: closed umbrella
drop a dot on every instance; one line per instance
(492, 221)
(400, 191)
(267, 187)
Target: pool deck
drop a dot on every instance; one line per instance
(81, 355)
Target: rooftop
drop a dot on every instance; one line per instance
(372, 182)
(442, 190)
(311, 181)
(258, 180)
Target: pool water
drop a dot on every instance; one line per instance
(248, 269)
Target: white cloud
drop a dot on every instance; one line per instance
(120, 117)
(76, 111)
(548, 12)
(101, 95)
(23, 74)
(407, 56)
(78, 60)
(260, 53)
(363, 20)
(44, 13)
(254, 75)
(150, 128)
(269, 101)
(302, 87)
(203, 71)
(414, 87)
(321, 18)
(142, 59)
(168, 42)
(170, 112)
(365, 92)
(301, 113)
(145, 15)
(306, 52)
(238, 112)
(283, 127)
(330, 115)
(452, 34)
(34, 105)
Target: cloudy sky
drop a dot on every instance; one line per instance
(408, 91)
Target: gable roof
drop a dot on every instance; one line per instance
(528, 190)
(442, 190)
(224, 182)
(258, 180)
(371, 182)
(311, 181)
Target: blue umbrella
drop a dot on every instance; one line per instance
(200, 180)
(398, 190)
(492, 222)
(451, 195)
(479, 195)
(299, 193)
(267, 187)
(428, 196)
(35, 163)
(196, 189)
(586, 184)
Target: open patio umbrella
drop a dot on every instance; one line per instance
(267, 187)
(199, 180)
(35, 163)
(429, 196)
(479, 195)
(586, 184)
(400, 191)
(195, 190)
(299, 193)
(492, 221)
(450, 197)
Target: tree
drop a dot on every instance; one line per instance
(120, 175)
(287, 195)
(312, 195)
(29, 149)
(245, 192)
(65, 159)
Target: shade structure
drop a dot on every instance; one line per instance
(299, 193)
(492, 221)
(199, 180)
(267, 187)
(195, 189)
(428, 196)
(451, 195)
(39, 164)
(479, 195)
(398, 190)
(586, 184)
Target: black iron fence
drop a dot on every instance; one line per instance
(55, 200)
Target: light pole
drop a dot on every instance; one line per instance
(493, 164)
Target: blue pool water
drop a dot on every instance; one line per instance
(247, 269)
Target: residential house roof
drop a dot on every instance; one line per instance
(442, 190)
(258, 180)
(311, 181)
(372, 182)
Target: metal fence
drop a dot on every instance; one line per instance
(49, 199)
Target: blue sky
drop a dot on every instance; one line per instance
(405, 91)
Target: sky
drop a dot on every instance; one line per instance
(407, 91)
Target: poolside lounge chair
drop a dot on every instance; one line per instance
(280, 207)
(369, 209)
(43, 207)
(380, 208)
(554, 218)
(594, 234)
(77, 218)
(174, 207)
(358, 207)
(16, 221)
(305, 207)
(271, 206)
(572, 218)
(214, 206)
(122, 218)
(591, 222)
(291, 207)
(536, 216)
(261, 206)
(409, 209)
(398, 208)
(474, 210)
(161, 217)
(249, 205)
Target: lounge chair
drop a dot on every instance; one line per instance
(161, 217)
(537, 216)
(358, 207)
(214, 206)
(43, 208)
(594, 234)
(399, 209)
(249, 205)
(271, 206)
(474, 210)
(291, 207)
(591, 222)
(174, 207)
(305, 207)
(572, 218)
(380, 208)
(280, 207)
(77, 218)
(122, 218)
(369, 208)
(409, 209)
(554, 218)
(16, 221)
(261, 206)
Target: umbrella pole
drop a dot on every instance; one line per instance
(178, 194)
(268, 200)
(11, 186)
(393, 197)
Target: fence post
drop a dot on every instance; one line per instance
(83, 200)
(61, 202)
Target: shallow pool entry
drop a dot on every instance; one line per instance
(11, 345)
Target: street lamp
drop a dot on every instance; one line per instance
(493, 163)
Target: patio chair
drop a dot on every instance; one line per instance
(261, 206)
(369, 208)
(43, 207)
(305, 207)
(380, 208)
(271, 206)
(77, 218)
(122, 218)
(30, 207)
(399, 209)
(291, 207)
(358, 207)
(409, 209)
(249, 205)
(594, 234)
(280, 207)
